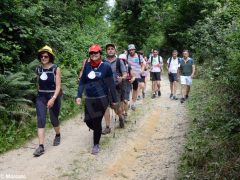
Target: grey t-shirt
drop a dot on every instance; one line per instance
(116, 72)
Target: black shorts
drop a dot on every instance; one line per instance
(135, 83)
(142, 79)
(172, 77)
(155, 76)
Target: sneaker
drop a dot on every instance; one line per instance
(138, 98)
(56, 140)
(121, 123)
(143, 94)
(133, 107)
(159, 93)
(107, 130)
(182, 100)
(174, 98)
(39, 151)
(153, 96)
(171, 95)
(95, 149)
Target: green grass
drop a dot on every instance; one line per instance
(212, 150)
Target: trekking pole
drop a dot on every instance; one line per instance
(81, 112)
(113, 113)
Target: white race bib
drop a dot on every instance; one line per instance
(91, 75)
(44, 76)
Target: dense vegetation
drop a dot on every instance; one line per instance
(209, 28)
(26, 26)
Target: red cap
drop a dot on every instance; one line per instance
(95, 48)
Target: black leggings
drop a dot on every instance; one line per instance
(41, 107)
(94, 112)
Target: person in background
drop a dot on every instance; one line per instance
(136, 62)
(127, 84)
(119, 75)
(142, 84)
(187, 71)
(156, 64)
(173, 73)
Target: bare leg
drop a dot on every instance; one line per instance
(171, 87)
(187, 90)
(107, 117)
(183, 91)
(174, 88)
(134, 95)
(158, 85)
(57, 129)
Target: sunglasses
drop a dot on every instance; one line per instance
(91, 53)
(44, 57)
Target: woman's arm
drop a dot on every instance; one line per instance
(57, 90)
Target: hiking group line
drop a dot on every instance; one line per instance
(113, 82)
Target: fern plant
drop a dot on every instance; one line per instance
(13, 91)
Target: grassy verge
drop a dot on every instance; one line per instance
(213, 146)
(15, 134)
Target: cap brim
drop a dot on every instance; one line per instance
(110, 44)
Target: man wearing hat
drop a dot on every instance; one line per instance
(136, 62)
(119, 74)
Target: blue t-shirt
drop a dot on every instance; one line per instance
(100, 85)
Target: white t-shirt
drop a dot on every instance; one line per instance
(156, 66)
(174, 65)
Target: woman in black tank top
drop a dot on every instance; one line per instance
(48, 97)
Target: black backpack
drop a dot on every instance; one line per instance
(138, 58)
(158, 59)
(118, 66)
(39, 70)
(170, 59)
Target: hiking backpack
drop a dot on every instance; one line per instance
(138, 58)
(158, 59)
(170, 59)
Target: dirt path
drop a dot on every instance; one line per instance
(148, 148)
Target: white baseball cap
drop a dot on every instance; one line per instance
(131, 46)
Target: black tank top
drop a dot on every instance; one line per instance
(47, 79)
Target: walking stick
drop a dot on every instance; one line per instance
(114, 117)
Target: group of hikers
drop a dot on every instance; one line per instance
(114, 82)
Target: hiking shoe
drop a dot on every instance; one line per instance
(171, 95)
(95, 149)
(133, 107)
(186, 97)
(174, 98)
(153, 96)
(159, 93)
(56, 140)
(143, 94)
(39, 151)
(107, 130)
(121, 123)
(138, 98)
(182, 100)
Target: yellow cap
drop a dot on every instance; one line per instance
(46, 49)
